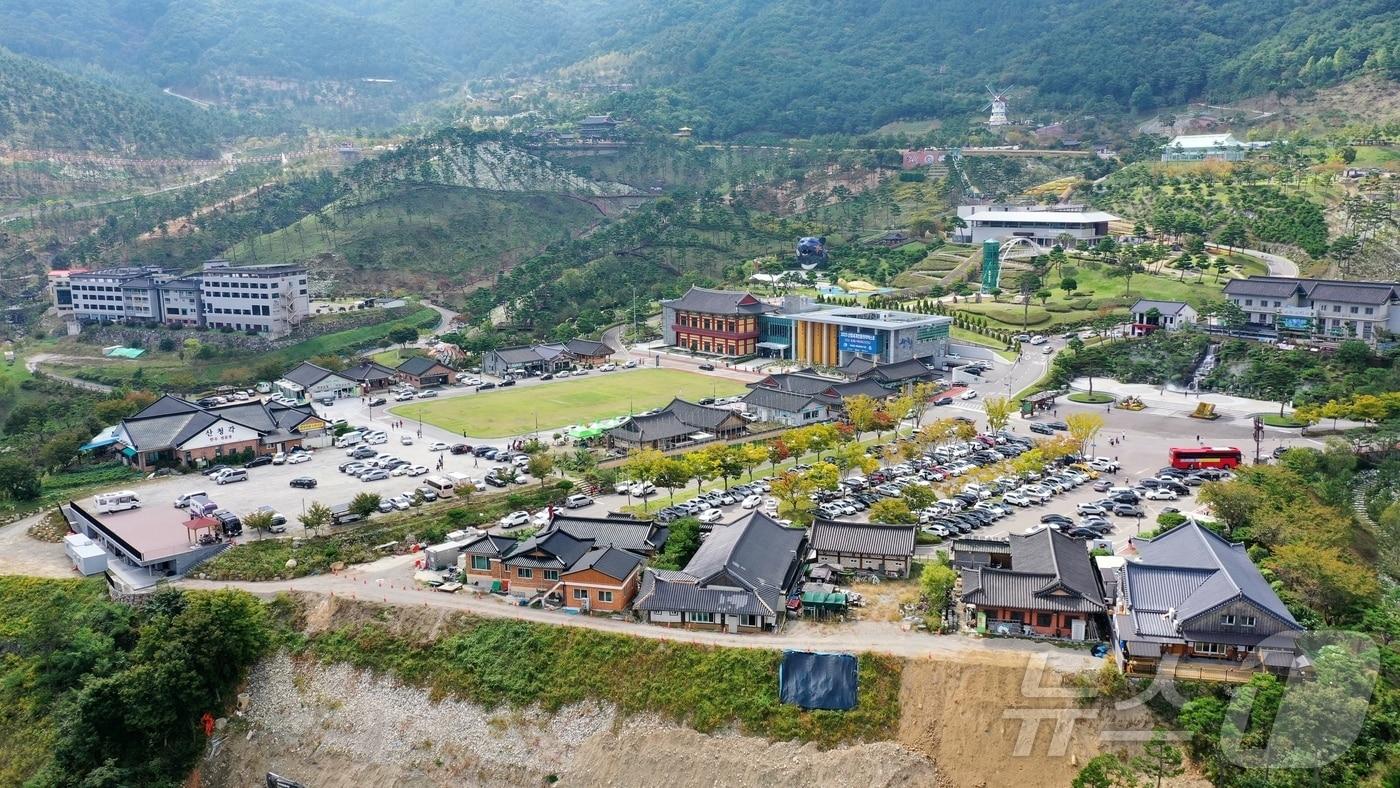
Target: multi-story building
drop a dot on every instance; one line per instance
(1041, 226)
(1323, 309)
(269, 299)
(718, 322)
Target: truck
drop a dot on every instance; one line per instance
(341, 513)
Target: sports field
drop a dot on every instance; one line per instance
(600, 395)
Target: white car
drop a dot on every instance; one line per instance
(406, 440)
(751, 502)
(643, 489)
(711, 516)
(401, 470)
(1016, 499)
(403, 397)
(1091, 508)
(376, 438)
(1160, 494)
(438, 446)
(279, 458)
(417, 470)
(514, 519)
(631, 364)
(607, 368)
(298, 457)
(969, 394)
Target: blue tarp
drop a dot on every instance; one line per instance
(818, 681)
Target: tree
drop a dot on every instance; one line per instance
(752, 455)
(860, 410)
(1069, 284)
(823, 476)
(918, 497)
(936, 582)
(672, 474)
(365, 504)
(316, 516)
(1233, 234)
(1083, 426)
(258, 521)
(998, 410)
(19, 480)
(1105, 771)
(60, 450)
(1043, 295)
(893, 511)
(403, 335)
(792, 490)
(1326, 579)
(681, 544)
(729, 462)
(1159, 759)
(540, 465)
(702, 467)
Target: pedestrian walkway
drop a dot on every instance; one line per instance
(1159, 399)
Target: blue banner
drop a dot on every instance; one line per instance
(858, 343)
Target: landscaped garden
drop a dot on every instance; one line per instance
(551, 405)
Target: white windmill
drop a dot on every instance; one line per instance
(998, 107)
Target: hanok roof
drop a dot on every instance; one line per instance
(857, 366)
(643, 537)
(307, 374)
(776, 399)
(1145, 305)
(1049, 571)
(550, 550)
(796, 382)
(832, 536)
(170, 421)
(525, 354)
(610, 561)
(421, 365)
(1190, 570)
(1315, 289)
(367, 372)
(587, 348)
(490, 544)
(655, 427)
(898, 372)
(701, 417)
(746, 567)
(865, 386)
(717, 302)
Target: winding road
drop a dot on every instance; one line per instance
(32, 364)
(1278, 264)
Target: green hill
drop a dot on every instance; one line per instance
(44, 107)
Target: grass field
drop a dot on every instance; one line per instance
(502, 413)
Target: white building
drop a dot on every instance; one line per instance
(1200, 147)
(113, 295)
(1326, 309)
(1042, 226)
(270, 299)
(1168, 316)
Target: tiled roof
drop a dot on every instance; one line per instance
(170, 421)
(744, 568)
(639, 536)
(367, 371)
(796, 382)
(610, 561)
(717, 302)
(587, 348)
(490, 545)
(831, 536)
(673, 591)
(1049, 571)
(307, 374)
(775, 399)
(701, 417)
(1165, 307)
(910, 369)
(419, 365)
(987, 587)
(656, 427)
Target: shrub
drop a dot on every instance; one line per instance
(1081, 303)
(1057, 308)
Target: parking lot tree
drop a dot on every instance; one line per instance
(540, 466)
(258, 521)
(1084, 426)
(861, 409)
(792, 489)
(729, 462)
(900, 408)
(998, 410)
(798, 441)
(364, 504)
(892, 511)
(316, 517)
(824, 476)
(702, 467)
(673, 473)
(752, 455)
(778, 451)
(918, 497)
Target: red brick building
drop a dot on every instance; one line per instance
(1043, 585)
(716, 322)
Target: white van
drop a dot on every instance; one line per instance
(184, 500)
(1038, 340)
(349, 439)
(117, 501)
(463, 481)
(442, 486)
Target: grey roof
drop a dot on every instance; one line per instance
(614, 563)
(1165, 307)
(171, 421)
(857, 366)
(1355, 292)
(307, 374)
(865, 386)
(551, 549)
(367, 371)
(587, 348)
(165, 406)
(420, 365)
(639, 536)
(674, 591)
(1315, 289)
(898, 372)
(718, 302)
(700, 416)
(1191, 571)
(757, 553)
(1049, 571)
(490, 545)
(796, 382)
(518, 355)
(774, 399)
(656, 427)
(832, 536)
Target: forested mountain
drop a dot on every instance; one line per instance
(799, 67)
(44, 107)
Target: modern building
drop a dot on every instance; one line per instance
(738, 581)
(1201, 147)
(1041, 585)
(1038, 225)
(268, 299)
(1192, 595)
(61, 289)
(307, 382)
(680, 423)
(1318, 309)
(1149, 316)
(423, 372)
(834, 336)
(715, 322)
(174, 432)
(146, 545)
(866, 547)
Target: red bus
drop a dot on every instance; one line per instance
(1206, 457)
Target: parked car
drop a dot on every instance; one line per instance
(304, 482)
(1091, 508)
(417, 470)
(461, 448)
(514, 519)
(438, 446)
(374, 475)
(710, 516)
(707, 367)
(1127, 510)
(258, 462)
(1161, 494)
(1042, 429)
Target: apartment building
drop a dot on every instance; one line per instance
(270, 299)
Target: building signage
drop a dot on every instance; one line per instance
(858, 343)
(934, 331)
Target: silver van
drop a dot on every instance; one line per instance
(231, 475)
